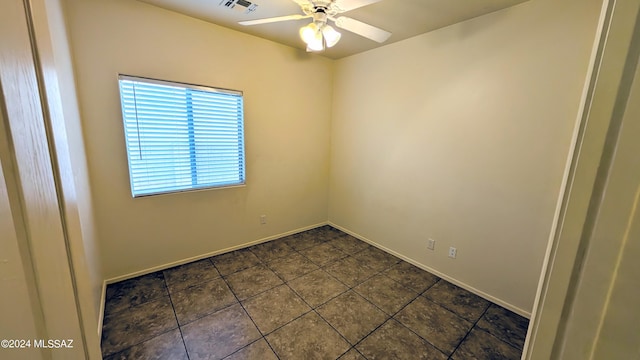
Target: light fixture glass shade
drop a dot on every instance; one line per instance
(331, 36)
(307, 33)
(316, 44)
(317, 36)
(312, 36)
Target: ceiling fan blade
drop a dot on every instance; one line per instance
(303, 3)
(362, 29)
(348, 5)
(274, 19)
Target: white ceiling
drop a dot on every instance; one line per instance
(403, 18)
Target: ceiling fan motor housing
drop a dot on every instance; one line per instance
(324, 4)
(320, 17)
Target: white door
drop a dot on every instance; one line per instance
(39, 312)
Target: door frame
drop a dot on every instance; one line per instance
(605, 93)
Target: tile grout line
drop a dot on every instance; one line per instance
(338, 332)
(266, 264)
(469, 332)
(262, 336)
(196, 285)
(155, 298)
(352, 288)
(317, 239)
(184, 343)
(138, 343)
(390, 317)
(470, 329)
(312, 308)
(148, 300)
(507, 341)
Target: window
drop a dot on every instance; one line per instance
(181, 137)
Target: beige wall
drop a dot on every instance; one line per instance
(287, 109)
(462, 135)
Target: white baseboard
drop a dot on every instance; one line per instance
(461, 284)
(206, 255)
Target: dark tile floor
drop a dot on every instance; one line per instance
(320, 294)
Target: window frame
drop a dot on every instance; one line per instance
(193, 153)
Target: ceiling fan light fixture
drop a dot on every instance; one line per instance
(318, 34)
(331, 36)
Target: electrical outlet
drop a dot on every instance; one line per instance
(431, 244)
(452, 252)
(263, 219)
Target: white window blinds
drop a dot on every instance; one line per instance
(181, 137)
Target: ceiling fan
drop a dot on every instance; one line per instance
(319, 34)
